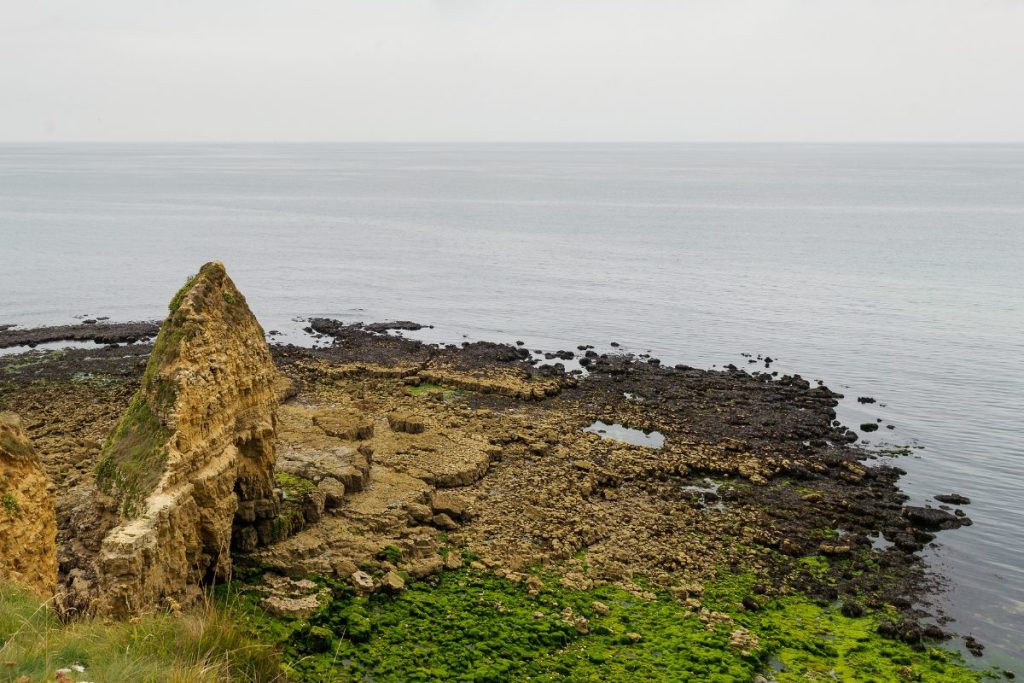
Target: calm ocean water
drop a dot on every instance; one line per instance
(888, 271)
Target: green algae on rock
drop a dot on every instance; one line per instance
(471, 625)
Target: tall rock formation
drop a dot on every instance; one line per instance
(191, 464)
(28, 524)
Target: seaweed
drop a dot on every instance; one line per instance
(471, 625)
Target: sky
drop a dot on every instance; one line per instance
(512, 70)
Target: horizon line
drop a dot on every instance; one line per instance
(510, 142)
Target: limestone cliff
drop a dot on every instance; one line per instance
(191, 462)
(28, 525)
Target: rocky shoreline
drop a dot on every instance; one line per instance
(400, 462)
(88, 331)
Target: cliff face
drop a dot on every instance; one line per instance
(28, 525)
(191, 463)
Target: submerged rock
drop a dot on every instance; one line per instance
(196, 442)
(931, 518)
(953, 499)
(28, 523)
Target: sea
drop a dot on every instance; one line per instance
(888, 271)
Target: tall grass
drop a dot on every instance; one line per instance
(202, 645)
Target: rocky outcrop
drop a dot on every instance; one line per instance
(191, 463)
(28, 525)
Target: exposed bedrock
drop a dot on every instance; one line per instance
(28, 524)
(190, 465)
(101, 333)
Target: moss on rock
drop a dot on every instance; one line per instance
(474, 626)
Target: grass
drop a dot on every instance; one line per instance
(19, 449)
(200, 646)
(179, 296)
(131, 462)
(10, 504)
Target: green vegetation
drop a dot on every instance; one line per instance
(295, 488)
(391, 554)
(10, 504)
(201, 646)
(180, 294)
(426, 388)
(132, 459)
(19, 449)
(473, 626)
(229, 298)
(31, 358)
(292, 516)
(131, 462)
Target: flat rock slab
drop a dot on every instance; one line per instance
(101, 333)
(306, 451)
(388, 493)
(347, 425)
(442, 458)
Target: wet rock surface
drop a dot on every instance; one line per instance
(101, 333)
(953, 499)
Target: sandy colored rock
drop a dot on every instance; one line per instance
(451, 504)
(28, 523)
(347, 425)
(281, 606)
(393, 582)
(197, 440)
(308, 451)
(406, 422)
(444, 522)
(362, 581)
(513, 383)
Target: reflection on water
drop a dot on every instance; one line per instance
(618, 432)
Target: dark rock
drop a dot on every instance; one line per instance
(931, 518)
(887, 628)
(392, 325)
(974, 646)
(953, 499)
(869, 427)
(96, 332)
(852, 609)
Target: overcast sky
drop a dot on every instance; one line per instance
(495, 70)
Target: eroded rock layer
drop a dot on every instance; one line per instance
(190, 465)
(28, 524)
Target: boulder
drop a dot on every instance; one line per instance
(932, 518)
(393, 582)
(406, 422)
